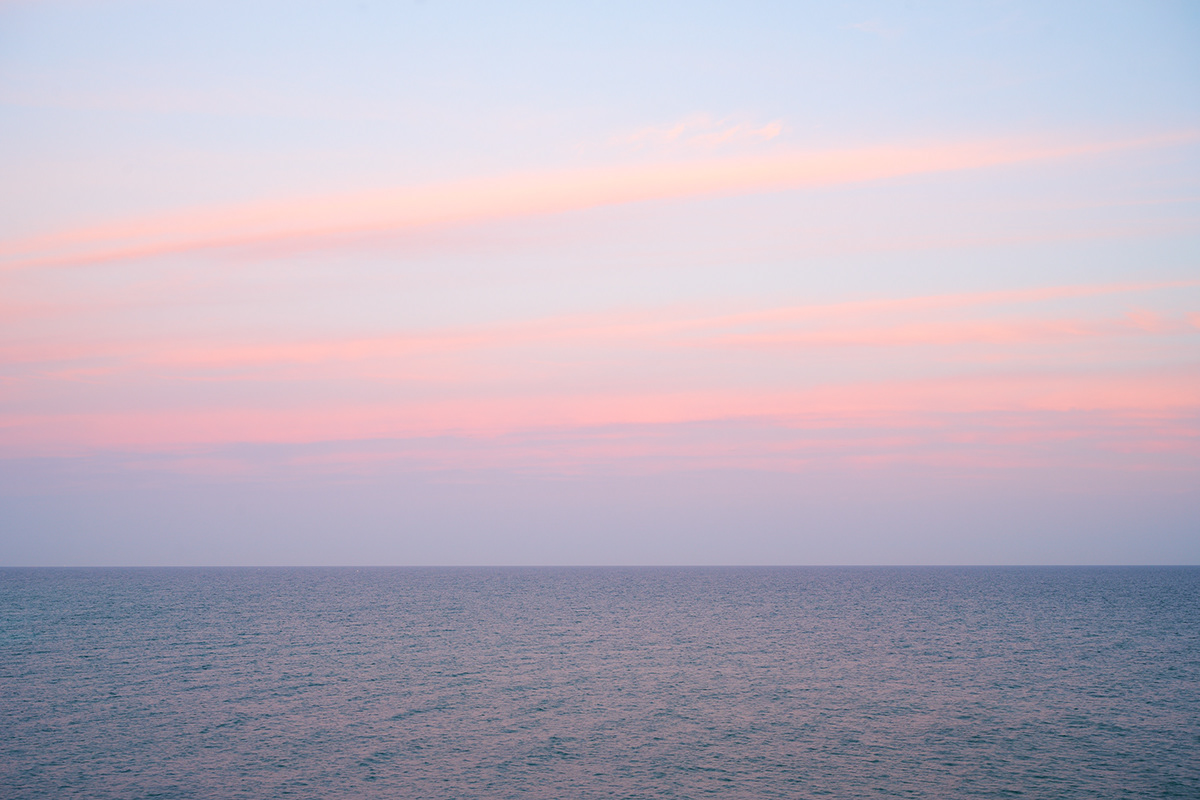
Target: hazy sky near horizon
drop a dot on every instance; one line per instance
(599, 283)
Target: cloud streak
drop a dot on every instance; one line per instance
(701, 131)
(598, 369)
(318, 221)
(884, 322)
(1132, 411)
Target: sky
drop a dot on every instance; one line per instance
(451, 283)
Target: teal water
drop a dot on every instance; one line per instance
(588, 683)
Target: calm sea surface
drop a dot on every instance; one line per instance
(581, 683)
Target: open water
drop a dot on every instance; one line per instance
(588, 683)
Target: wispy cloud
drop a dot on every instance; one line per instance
(964, 441)
(581, 371)
(320, 220)
(700, 131)
(876, 27)
(895, 413)
(1011, 317)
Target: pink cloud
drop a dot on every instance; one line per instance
(534, 393)
(925, 321)
(319, 219)
(497, 414)
(1147, 321)
(927, 333)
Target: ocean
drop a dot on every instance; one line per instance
(600, 682)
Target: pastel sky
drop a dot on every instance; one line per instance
(448, 282)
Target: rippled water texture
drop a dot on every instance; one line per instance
(579, 683)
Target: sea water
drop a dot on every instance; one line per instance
(587, 683)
